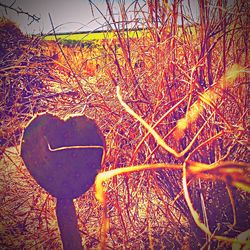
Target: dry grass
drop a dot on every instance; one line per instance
(181, 115)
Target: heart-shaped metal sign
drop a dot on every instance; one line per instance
(63, 156)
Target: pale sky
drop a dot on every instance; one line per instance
(70, 15)
(67, 15)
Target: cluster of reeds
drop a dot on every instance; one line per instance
(172, 104)
(185, 91)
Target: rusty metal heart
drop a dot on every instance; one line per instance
(63, 156)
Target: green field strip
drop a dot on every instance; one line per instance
(91, 36)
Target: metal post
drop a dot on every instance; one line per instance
(67, 221)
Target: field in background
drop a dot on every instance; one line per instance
(187, 85)
(81, 38)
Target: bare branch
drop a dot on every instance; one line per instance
(19, 10)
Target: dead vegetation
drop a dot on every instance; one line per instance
(181, 114)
